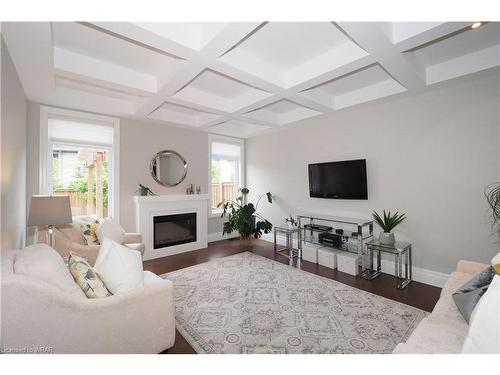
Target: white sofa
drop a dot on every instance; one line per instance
(68, 237)
(42, 307)
(444, 330)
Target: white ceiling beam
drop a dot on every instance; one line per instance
(376, 42)
(186, 74)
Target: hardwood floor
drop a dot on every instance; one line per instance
(416, 294)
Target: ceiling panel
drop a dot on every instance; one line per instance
(281, 51)
(194, 35)
(282, 112)
(240, 129)
(363, 85)
(214, 90)
(457, 45)
(102, 46)
(183, 115)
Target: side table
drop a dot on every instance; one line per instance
(288, 232)
(402, 253)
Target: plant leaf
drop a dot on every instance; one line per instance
(269, 197)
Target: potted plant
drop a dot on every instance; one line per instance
(243, 217)
(388, 223)
(492, 194)
(291, 221)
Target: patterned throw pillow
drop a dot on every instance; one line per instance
(495, 263)
(88, 228)
(86, 278)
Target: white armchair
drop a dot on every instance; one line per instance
(42, 307)
(69, 238)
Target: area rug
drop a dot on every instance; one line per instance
(246, 303)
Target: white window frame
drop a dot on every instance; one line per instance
(47, 112)
(242, 169)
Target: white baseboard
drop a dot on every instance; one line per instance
(421, 275)
(212, 237)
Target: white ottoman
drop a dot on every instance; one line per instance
(348, 262)
(310, 252)
(327, 257)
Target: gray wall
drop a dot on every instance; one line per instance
(429, 155)
(13, 149)
(139, 141)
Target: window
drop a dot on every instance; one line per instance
(80, 159)
(226, 169)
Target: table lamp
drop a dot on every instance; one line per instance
(49, 210)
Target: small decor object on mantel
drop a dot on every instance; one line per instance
(144, 190)
(388, 223)
(190, 189)
(243, 217)
(291, 221)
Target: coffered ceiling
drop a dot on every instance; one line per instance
(240, 79)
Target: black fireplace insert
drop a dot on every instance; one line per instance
(171, 230)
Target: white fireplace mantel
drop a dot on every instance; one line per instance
(147, 207)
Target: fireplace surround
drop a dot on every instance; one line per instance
(172, 224)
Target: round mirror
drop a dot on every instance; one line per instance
(168, 168)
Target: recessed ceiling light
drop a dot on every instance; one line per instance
(475, 25)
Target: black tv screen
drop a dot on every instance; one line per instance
(338, 180)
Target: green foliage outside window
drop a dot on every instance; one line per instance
(80, 183)
(215, 171)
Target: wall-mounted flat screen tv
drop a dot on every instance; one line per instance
(338, 180)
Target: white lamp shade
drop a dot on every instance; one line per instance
(49, 210)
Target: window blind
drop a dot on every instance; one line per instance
(226, 150)
(82, 133)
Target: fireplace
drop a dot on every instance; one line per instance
(155, 214)
(176, 229)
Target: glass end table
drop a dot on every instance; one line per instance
(403, 259)
(288, 232)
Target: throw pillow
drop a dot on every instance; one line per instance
(110, 229)
(495, 263)
(484, 331)
(119, 267)
(88, 229)
(86, 278)
(467, 297)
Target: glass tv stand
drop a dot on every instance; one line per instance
(338, 233)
